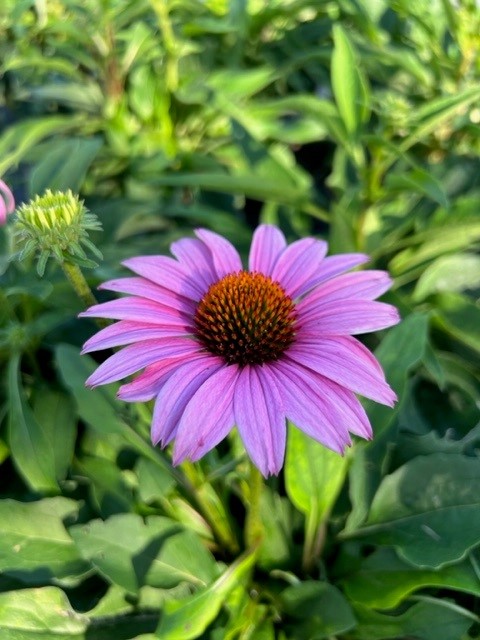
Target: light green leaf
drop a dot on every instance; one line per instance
(348, 83)
(187, 619)
(131, 552)
(30, 443)
(418, 181)
(460, 317)
(43, 613)
(428, 509)
(313, 474)
(449, 273)
(34, 545)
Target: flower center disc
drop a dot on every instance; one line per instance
(246, 318)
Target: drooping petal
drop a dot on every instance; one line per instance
(125, 332)
(268, 242)
(343, 362)
(167, 273)
(208, 416)
(138, 310)
(360, 285)
(349, 317)
(177, 392)
(147, 289)
(298, 264)
(310, 409)
(196, 258)
(138, 356)
(260, 418)
(224, 255)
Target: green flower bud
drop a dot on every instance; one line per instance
(56, 225)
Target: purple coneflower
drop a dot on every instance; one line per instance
(7, 203)
(220, 345)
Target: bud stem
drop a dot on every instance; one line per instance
(81, 287)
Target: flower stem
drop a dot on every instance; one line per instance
(315, 533)
(253, 525)
(79, 284)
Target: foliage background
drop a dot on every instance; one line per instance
(355, 121)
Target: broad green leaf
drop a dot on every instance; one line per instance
(449, 273)
(131, 552)
(110, 492)
(65, 165)
(187, 619)
(429, 619)
(428, 509)
(319, 610)
(46, 613)
(276, 548)
(55, 412)
(30, 442)
(313, 474)
(34, 545)
(384, 580)
(348, 83)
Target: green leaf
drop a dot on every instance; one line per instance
(30, 443)
(449, 273)
(320, 610)
(55, 412)
(314, 474)
(187, 619)
(97, 407)
(398, 580)
(418, 181)
(428, 509)
(431, 619)
(65, 165)
(43, 613)
(34, 545)
(131, 552)
(348, 83)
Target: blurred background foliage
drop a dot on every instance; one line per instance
(357, 121)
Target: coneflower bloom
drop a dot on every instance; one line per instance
(7, 203)
(222, 346)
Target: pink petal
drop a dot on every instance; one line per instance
(7, 202)
(360, 285)
(208, 417)
(148, 383)
(298, 264)
(309, 408)
(335, 265)
(147, 289)
(177, 392)
(260, 418)
(167, 273)
(125, 332)
(224, 255)
(196, 258)
(138, 310)
(349, 317)
(268, 242)
(137, 356)
(340, 361)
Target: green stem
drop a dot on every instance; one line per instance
(314, 541)
(253, 525)
(171, 76)
(79, 284)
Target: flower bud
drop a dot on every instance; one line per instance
(56, 225)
